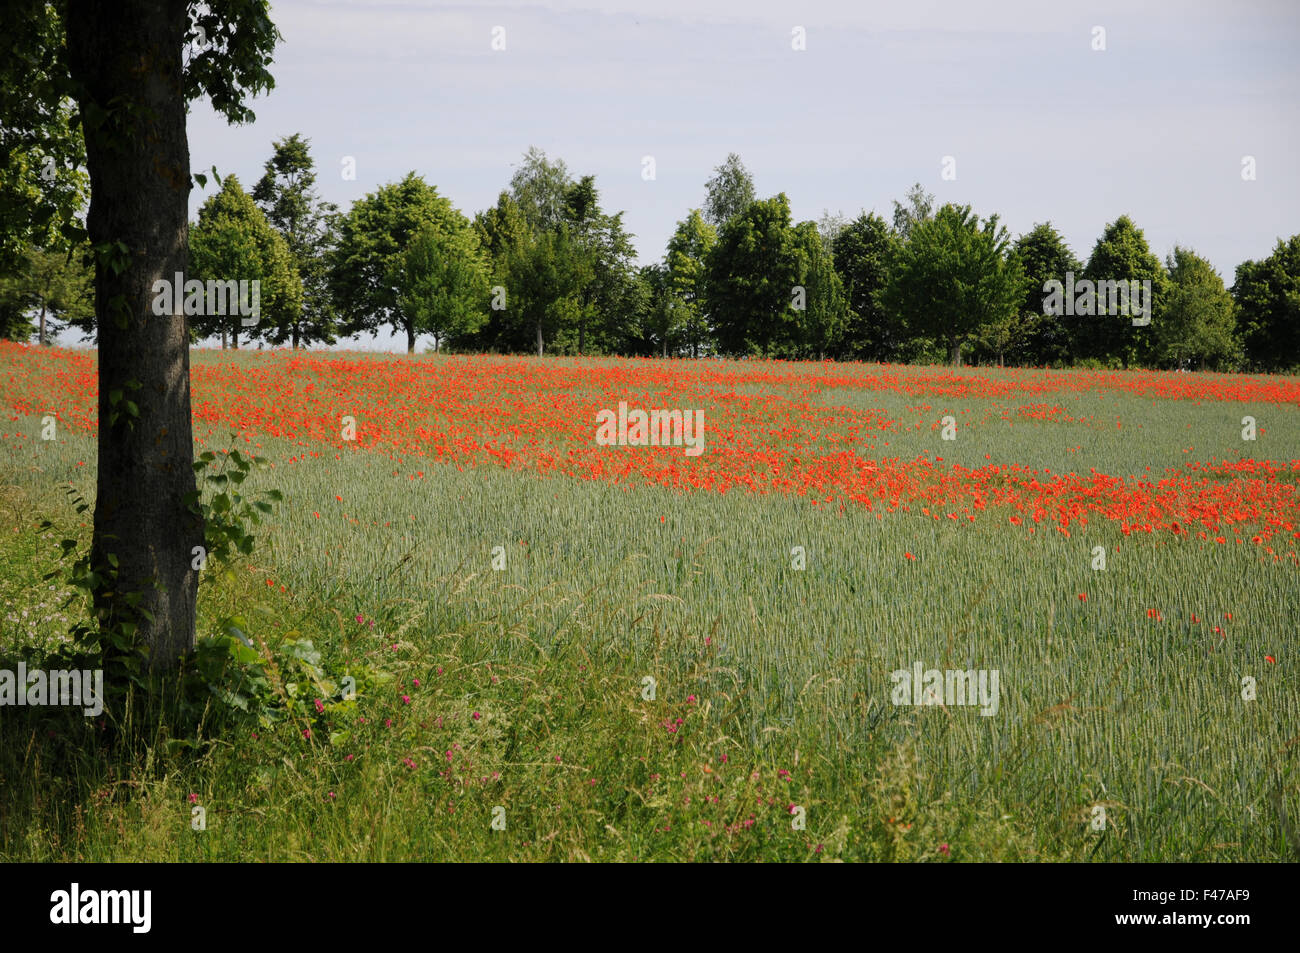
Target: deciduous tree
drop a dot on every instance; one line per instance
(233, 241)
(366, 259)
(1267, 294)
(953, 276)
(287, 194)
(729, 191)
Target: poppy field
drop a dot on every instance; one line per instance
(567, 649)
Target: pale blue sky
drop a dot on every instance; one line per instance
(1041, 126)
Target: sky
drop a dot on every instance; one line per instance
(1040, 124)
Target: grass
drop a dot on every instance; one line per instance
(772, 684)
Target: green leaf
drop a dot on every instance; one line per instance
(303, 650)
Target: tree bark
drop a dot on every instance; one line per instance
(126, 56)
(410, 337)
(956, 354)
(539, 338)
(41, 338)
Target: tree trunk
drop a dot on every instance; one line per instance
(41, 338)
(539, 338)
(127, 58)
(410, 337)
(295, 337)
(956, 354)
(223, 337)
(234, 338)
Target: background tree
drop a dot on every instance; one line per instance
(1198, 322)
(443, 280)
(502, 229)
(15, 304)
(546, 280)
(233, 241)
(861, 253)
(595, 286)
(750, 277)
(825, 308)
(59, 288)
(917, 207)
(45, 291)
(43, 184)
(1044, 256)
(538, 278)
(1267, 295)
(545, 300)
(729, 192)
(44, 187)
(504, 235)
(684, 273)
(366, 259)
(606, 253)
(953, 276)
(1121, 254)
(287, 195)
(1008, 334)
(541, 189)
(829, 227)
(656, 318)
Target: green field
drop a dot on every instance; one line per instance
(772, 684)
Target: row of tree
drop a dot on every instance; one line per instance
(547, 269)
